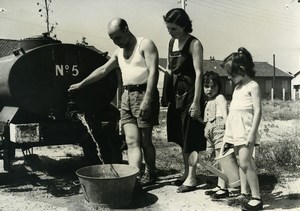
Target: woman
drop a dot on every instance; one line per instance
(184, 93)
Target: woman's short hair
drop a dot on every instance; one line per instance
(179, 17)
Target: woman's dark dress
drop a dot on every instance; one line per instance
(181, 127)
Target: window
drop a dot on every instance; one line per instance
(268, 86)
(285, 85)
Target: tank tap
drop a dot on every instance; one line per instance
(72, 109)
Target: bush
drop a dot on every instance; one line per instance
(280, 110)
(280, 156)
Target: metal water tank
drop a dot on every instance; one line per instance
(37, 80)
(36, 41)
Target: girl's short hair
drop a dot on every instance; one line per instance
(179, 17)
(241, 63)
(214, 77)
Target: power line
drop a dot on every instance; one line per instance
(85, 34)
(254, 11)
(64, 31)
(230, 11)
(241, 11)
(268, 10)
(11, 19)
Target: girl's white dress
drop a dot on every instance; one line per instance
(240, 117)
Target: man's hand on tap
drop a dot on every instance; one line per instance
(74, 87)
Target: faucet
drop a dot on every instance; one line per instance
(72, 110)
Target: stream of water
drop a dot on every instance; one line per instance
(82, 118)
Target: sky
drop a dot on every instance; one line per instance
(264, 27)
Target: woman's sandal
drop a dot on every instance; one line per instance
(212, 191)
(224, 194)
(259, 206)
(178, 182)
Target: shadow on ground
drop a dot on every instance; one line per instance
(277, 200)
(42, 173)
(272, 200)
(56, 177)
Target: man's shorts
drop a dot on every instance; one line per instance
(130, 109)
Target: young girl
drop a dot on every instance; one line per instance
(243, 121)
(215, 114)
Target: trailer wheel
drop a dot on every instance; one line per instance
(8, 157)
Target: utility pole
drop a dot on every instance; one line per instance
(274, 68)
(44, 10)
(47, 16)
(183, 4)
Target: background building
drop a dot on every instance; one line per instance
(296, 86)
(264, 77)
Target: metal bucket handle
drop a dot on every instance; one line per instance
(76, 182)
(223, 148)
(193, 159)
(85, 193)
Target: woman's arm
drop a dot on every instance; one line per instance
(196, 50)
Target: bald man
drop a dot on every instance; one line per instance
(137, 58)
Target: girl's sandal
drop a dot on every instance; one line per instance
(248, 206)
(224, 194)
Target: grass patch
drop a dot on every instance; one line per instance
(280, 110)
(278, 157)
(168, 154)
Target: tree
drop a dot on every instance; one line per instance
(44, 10)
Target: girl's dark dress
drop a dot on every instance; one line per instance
(181, 127)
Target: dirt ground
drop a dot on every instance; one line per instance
(45, 182)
